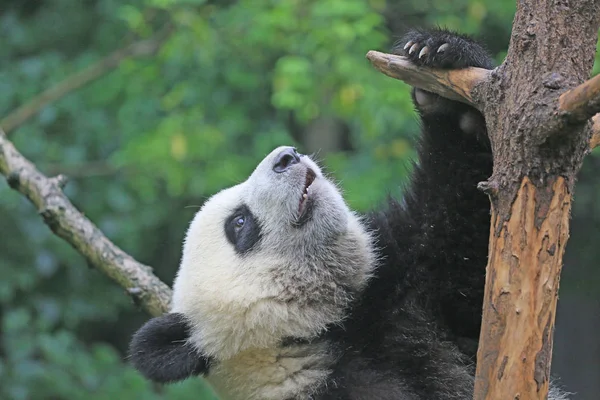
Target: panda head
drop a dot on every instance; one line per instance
(278, 256)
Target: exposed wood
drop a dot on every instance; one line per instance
(68, 223)
(459, 85)
(583, 101)
(536, 158)
(82, 78)
(539, 141)
(530, 189)
(452, 84)
(525, 261)
(595, 141)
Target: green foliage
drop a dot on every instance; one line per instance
(148, 142)
(58, 365)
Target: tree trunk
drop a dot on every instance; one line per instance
(538, 150)
(540, 132)
(541, 121)
(525, 260)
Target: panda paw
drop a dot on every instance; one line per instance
(442, 49)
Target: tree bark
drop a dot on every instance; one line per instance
(452, 84)
(537, 154)
(146, 290)
(525, 260)
(459, 85)
(540, 132)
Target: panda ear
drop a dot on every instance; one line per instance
(161, 352)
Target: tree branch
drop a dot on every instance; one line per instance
(82, 78)
(68, 223)
(452, 84)
(595, 141)
(582, 102)
(578, 104)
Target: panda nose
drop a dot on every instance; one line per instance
(286, 159)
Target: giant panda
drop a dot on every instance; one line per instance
(284, 293)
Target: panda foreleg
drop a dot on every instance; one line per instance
(161, 352)
(441, 229)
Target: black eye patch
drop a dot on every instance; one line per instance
(242, 230)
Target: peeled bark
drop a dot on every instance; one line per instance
(575, 105)
(525, 261)
(542, 120)
(146, 290)
(538, 149)
(538, 117)
(452, 84)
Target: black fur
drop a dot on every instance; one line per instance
(412, 334)
(462, 50)
(243, 238)
(425, 300)
(159, 350)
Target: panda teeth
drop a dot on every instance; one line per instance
(310, 178)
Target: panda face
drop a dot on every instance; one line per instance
(284, 205)
(279, 255)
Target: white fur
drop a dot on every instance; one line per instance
(557, 393)
(241, 307)
(273, 374)
(293, 284)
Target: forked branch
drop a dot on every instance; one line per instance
(68, 223)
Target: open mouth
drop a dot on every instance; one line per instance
(305, 203)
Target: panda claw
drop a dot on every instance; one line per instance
(413, 48)
(424, 52)
(443, 48)
(409, 44)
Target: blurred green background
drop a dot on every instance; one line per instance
(150, 140)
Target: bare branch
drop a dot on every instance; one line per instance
(595, 141)
(452, 84)
(82, 78)
(582, 102)
(68, 223)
